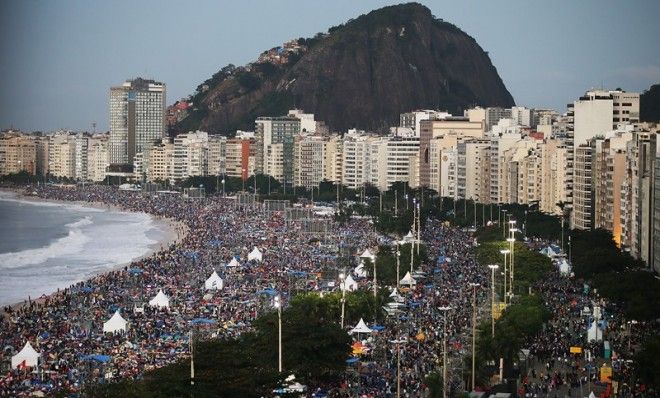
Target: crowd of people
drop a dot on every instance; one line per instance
(66, 327)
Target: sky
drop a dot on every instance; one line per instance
(60, 57)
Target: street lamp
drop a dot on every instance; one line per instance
(492, 267)
(505, 252)
(504, 223)
(223, 187)
(444, 350)
(398, 261)
(278, 305)
(342, 285)
(474, 328)
(511, 263)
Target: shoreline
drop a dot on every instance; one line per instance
(173, 231)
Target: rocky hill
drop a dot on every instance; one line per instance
(361, 74)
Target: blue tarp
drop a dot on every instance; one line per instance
(87, 289)
(298, 273)
(378, 328)
(199, 321)
(352, 360)
(135, 271)
(270, 292)
(96, 357)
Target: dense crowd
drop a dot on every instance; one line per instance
(66, 326)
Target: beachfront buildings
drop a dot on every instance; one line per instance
(18, 152)
(137, 118)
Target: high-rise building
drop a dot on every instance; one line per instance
(582, 213)
(554, 155)
(62, 155)
(190, 155)
(609, 170)
(472, 159)
(462, 127)
(137, 118)
(18, 152)
(217, 154)
(309, 158)
(413, 119)
(637, 196)
(277, 130)
(98, 156)
(656, 217)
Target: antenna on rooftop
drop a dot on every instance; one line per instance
(94, 127)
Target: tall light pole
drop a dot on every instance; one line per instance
(512, 242)
(492, 267)
(474, 329)
(342, 285)
(444, 351)
(419, 228)
(505, 252)
(398, 261)
(278, 305)
(504, 223)
(192, 360)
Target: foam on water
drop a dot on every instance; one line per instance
(96, 241)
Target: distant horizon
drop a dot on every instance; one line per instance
(64, 57)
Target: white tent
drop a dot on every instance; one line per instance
(564, 268)
(409, 237)
(368, 254)
(214, 282)
(255, 254)
(160, 301)
(349, 284)
(361, 327)
(27, 357)
(594, 333)
(233, 263)
(359, 271)
(408, 280)
(115, 324)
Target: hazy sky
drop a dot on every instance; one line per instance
(59, 58)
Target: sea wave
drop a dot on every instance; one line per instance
(70, 244)
(13, 197)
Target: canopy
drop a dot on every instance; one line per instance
(160, 301)
(115, 324)
(255, 254)
(408, 280)
(564, 268)
(202, 321)
(361, 327)
(359, 271)
(26, 357)
(594, 333)
(349, 284)
(368, 254)
(234, 263)
(214, 282)
(409, 237)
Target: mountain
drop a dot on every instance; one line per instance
(649, 104)
(360, 74)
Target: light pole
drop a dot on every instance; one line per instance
(492, 267)
(419, 228)
(278, 305)
(342, 285)
(505, 252)
(444, 350)
(632, 322)
(504, 223)
(398, 343)
(474, 329)
(511, 244)
(398, 261)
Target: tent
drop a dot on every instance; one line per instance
(26, 357)
(255, 254)
(361, 327)
(594, 333)
(408, 238)
(349, 284)
(564, 268)
(548, 251)
(408, 280)
(160, 301)
(359, 271)
(115, 324)
(368, 254)
(214, 282)
(234, 263)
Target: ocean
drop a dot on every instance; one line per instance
(45, 246)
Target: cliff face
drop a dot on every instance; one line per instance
(361, 74)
